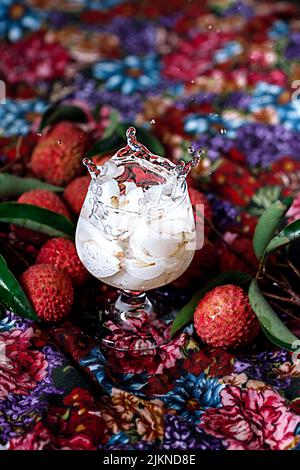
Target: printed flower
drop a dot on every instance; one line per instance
(39, 438)
(192, 395)
(130, 74)
(32, 60)
(16, 18)
(180, 435)
(79, 423)
(149, 424)
(16, 116)
(252, 420)
(20, 366)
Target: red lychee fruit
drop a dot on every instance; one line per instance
(224, 318)
(50, 292)
(58, 154)
(62, 254)
(41, 198)
(75, 193)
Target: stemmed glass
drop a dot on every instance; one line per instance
(136, 232)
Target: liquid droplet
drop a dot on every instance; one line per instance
(131, 139)
(182, 169)
(59, 141)
(152, 121)
(92, 168)
(223, 130)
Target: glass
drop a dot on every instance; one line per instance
(136, 232)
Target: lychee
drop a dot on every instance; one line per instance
(58, 154)
(50, 292)
(62, 254)
(41, 198)
(75, 193)
(224, 318)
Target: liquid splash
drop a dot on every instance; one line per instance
(135, 149)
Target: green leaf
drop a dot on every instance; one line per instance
(56, 114)
(37, 218)
(12, 295)
(144, 136)
(271, 324)
(11, 185)
(267, 224)
(287, 235)
(185, 315)
(114, 120)
(109, 144)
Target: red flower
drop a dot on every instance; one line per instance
(39, 438)
(79, 424)
(194, 57)
(252, 420)
(20, 367)
(33, 59)
(217, 361)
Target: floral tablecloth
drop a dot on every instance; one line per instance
(218, 74)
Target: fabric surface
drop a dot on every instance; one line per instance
(217, 74)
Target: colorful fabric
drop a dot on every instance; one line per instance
(217, 74)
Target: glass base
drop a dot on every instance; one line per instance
(131, 324)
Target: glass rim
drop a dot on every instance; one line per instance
(126, 211)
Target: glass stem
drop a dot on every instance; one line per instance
(132, 304)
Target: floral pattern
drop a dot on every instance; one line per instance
(188, 72)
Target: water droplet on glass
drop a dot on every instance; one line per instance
(152, 121)
(223, 130)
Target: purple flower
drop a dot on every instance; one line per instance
(262, 144)
(239, 8)
(237, 100)
(293, 48)
(19, 412)
(225, 213)
(137, 37)
(261, 367)
(180, 435)
(216, 145)
(184, 102)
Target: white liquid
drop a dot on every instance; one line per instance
(131, 250)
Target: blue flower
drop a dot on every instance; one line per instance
(191, 395)
(129, 75)
(230, 49)
(279, 29)
(96, 363)
(16, 18)
(212, 123)
(14, 116)
(99, 4)
(7, 322)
